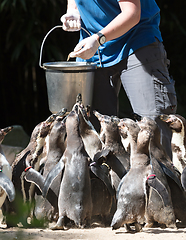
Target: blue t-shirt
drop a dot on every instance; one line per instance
(96, 14)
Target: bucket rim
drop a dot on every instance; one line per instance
(70, 65)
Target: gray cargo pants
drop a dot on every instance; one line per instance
(148, 86)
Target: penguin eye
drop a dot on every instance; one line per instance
(137, 117)
(76, 108)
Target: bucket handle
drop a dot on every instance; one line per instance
(41, 50)
(60, 26)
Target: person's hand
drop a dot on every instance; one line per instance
(86, 48)
(71, 20)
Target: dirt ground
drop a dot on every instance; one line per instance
(96, 233)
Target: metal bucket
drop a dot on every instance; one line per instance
(65, 80)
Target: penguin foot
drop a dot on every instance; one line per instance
(57, 227)
(128, 228)
(115, 226)
(181, 224)
(173, 226)
(149, 225)
(138, 227)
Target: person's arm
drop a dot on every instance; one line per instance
(72, 19)
(128, 18)
(71, 4)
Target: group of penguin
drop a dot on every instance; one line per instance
(76, 176)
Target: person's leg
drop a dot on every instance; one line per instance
(105, 101)
(149, 87)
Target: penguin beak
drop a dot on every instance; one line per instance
(6, 130)
(121, 124)
(62, 112)
(166, 118)
(88, 110)
(79, 98)
(98, 115)
(137, 117)
(115, 119)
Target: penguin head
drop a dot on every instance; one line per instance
(175, 122)
(4, 132)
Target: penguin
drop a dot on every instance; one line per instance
(101, 189)
(172, 174)
(31, 157)
(34, 155)
(157, 149)
(6, 185)
(74, 201)
(93, 143)
(131, 195)
(135, 203)
(112, 138)
(89, 135)
(112, 141)
(56, 148)
(46, 209)
(26, 163)
(177, 124)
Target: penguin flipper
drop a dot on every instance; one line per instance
(101, 154)
(159, 187)
(183, 178)
(113, 162)
(119, 186)
(170, 174)
(116, 165)
(33, 176)
(7, 185)
(96, 169)
(52, 175)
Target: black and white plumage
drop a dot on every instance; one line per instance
(136, 201)
(6, 185)
(177, 124)
(172, 174)
(120, 158)
(74, 199)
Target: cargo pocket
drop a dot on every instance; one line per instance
(165, 94)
